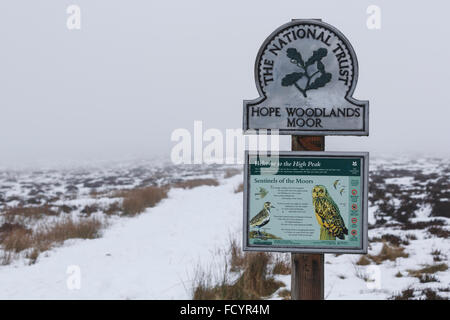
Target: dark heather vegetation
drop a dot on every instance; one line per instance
(40, 209)
(396, 207)
(426, 190)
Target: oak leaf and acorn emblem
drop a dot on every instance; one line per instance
(315, 80)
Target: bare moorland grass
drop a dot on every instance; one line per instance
(94, 193)
(6, 258)
(282, 265)
(425, 278)
(68, 229)
(35, 212)
(406, 294)
(439, 232)
(422, 224)
(390, 253)
(363, 260)
(17, 238)
(430, 294)
(285, 294)
(113, 209)
(254, 281)
(411, 236)
(391, 239)
(424, 294)
(193, 183)
(7, 227)
(90, 209)
(66, 209)
(135, 201)
(428, 269)
(438, 256)
(387, 252)
(231, 173)
(239, 188)
(237, 257)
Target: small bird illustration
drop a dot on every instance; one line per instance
(341, 191)
(327, 212)
(335, 184)
(262, 192)
(262, 218)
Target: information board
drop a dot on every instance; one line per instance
(306, 202)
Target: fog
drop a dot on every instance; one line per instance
(137, 70)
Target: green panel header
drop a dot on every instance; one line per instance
(314, 166)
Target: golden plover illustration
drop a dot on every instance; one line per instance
(262, 218)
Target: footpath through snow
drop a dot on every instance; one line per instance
(156, 254)
(151, 256)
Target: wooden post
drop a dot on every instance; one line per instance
(307, 276)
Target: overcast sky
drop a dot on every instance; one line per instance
(137, 70)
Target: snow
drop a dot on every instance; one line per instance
(387, 283)
(404, 181)
(422, 214)
(371, 214)
(156, 255)
(152, 256)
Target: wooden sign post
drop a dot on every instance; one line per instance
(307, 270)
(306, 201)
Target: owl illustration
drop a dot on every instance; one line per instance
(327, 213)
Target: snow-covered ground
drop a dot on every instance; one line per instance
(152, 256)
(156, 254)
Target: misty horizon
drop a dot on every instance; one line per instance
(118, 87)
